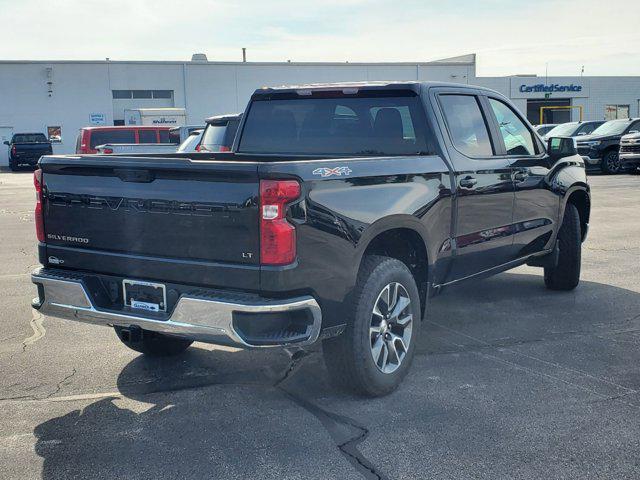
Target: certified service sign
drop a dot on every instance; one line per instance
(541, 87)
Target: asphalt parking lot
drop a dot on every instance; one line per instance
(510, 381)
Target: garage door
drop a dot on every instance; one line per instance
(5, 135)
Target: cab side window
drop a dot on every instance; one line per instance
(518, 139)
(467, 126)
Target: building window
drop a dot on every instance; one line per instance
(128, 94)
(121, 94)
(613, 112)
(141, 93)
(162, 93)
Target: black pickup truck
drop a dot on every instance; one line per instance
(602, 146)
(340, 211)
(27, 148)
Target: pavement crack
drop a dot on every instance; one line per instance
(344, 431)
(60, 383)
(46, 397)
(346, 441)
(37, 326)
(620, 249)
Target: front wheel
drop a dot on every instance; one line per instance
(566, 274)
(376, 350)
(611, 162)
(152, 343)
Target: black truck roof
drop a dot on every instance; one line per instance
(360, 86)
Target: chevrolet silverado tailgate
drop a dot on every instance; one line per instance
(174, 219)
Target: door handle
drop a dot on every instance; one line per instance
(520, 176)
(468, 182)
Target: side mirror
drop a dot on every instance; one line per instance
(559, 147)
(6, 142)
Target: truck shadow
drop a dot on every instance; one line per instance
(220, 414)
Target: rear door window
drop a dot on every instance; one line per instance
(466, 124)
(164, 136)
(147, 136)
(100, 137)
(174, 135)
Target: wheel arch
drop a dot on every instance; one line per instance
(580, 198)
(406, 242)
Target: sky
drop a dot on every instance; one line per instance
(510, 37)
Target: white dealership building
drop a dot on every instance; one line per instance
(59, 97)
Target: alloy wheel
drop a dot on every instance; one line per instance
(390, 328)
(613, 163)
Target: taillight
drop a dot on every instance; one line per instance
(37, 183)
(13, 150)
(277, 235)
(107, 150)
(198, 148)
(224, 148)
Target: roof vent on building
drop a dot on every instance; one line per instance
(199, 57)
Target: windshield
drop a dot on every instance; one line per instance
(29, 138)
(190, 144)
(564, 130)
(612, 127)
(362, 125)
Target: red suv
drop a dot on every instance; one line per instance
(90, 137)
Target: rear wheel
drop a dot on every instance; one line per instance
(152, 343)
(566, 274)
(376, 350)
(611, 162)
(13, 165)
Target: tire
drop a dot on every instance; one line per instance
(13, 165)
(566, 274)
(611, 162)
(153, 344)
(350, 357)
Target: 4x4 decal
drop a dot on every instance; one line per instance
(327, 172)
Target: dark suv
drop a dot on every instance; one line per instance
(573, 129)
(603, 145)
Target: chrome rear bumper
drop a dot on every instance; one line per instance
(201, 318)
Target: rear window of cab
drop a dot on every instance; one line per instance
(360, 124)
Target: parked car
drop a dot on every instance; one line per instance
(341, 210)
(630, 152)
(544, 128)
(219, 133)
(27, 148)
(90, 137)
(602, 147)
(191, 142)
(573, 129)
(178, 135)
